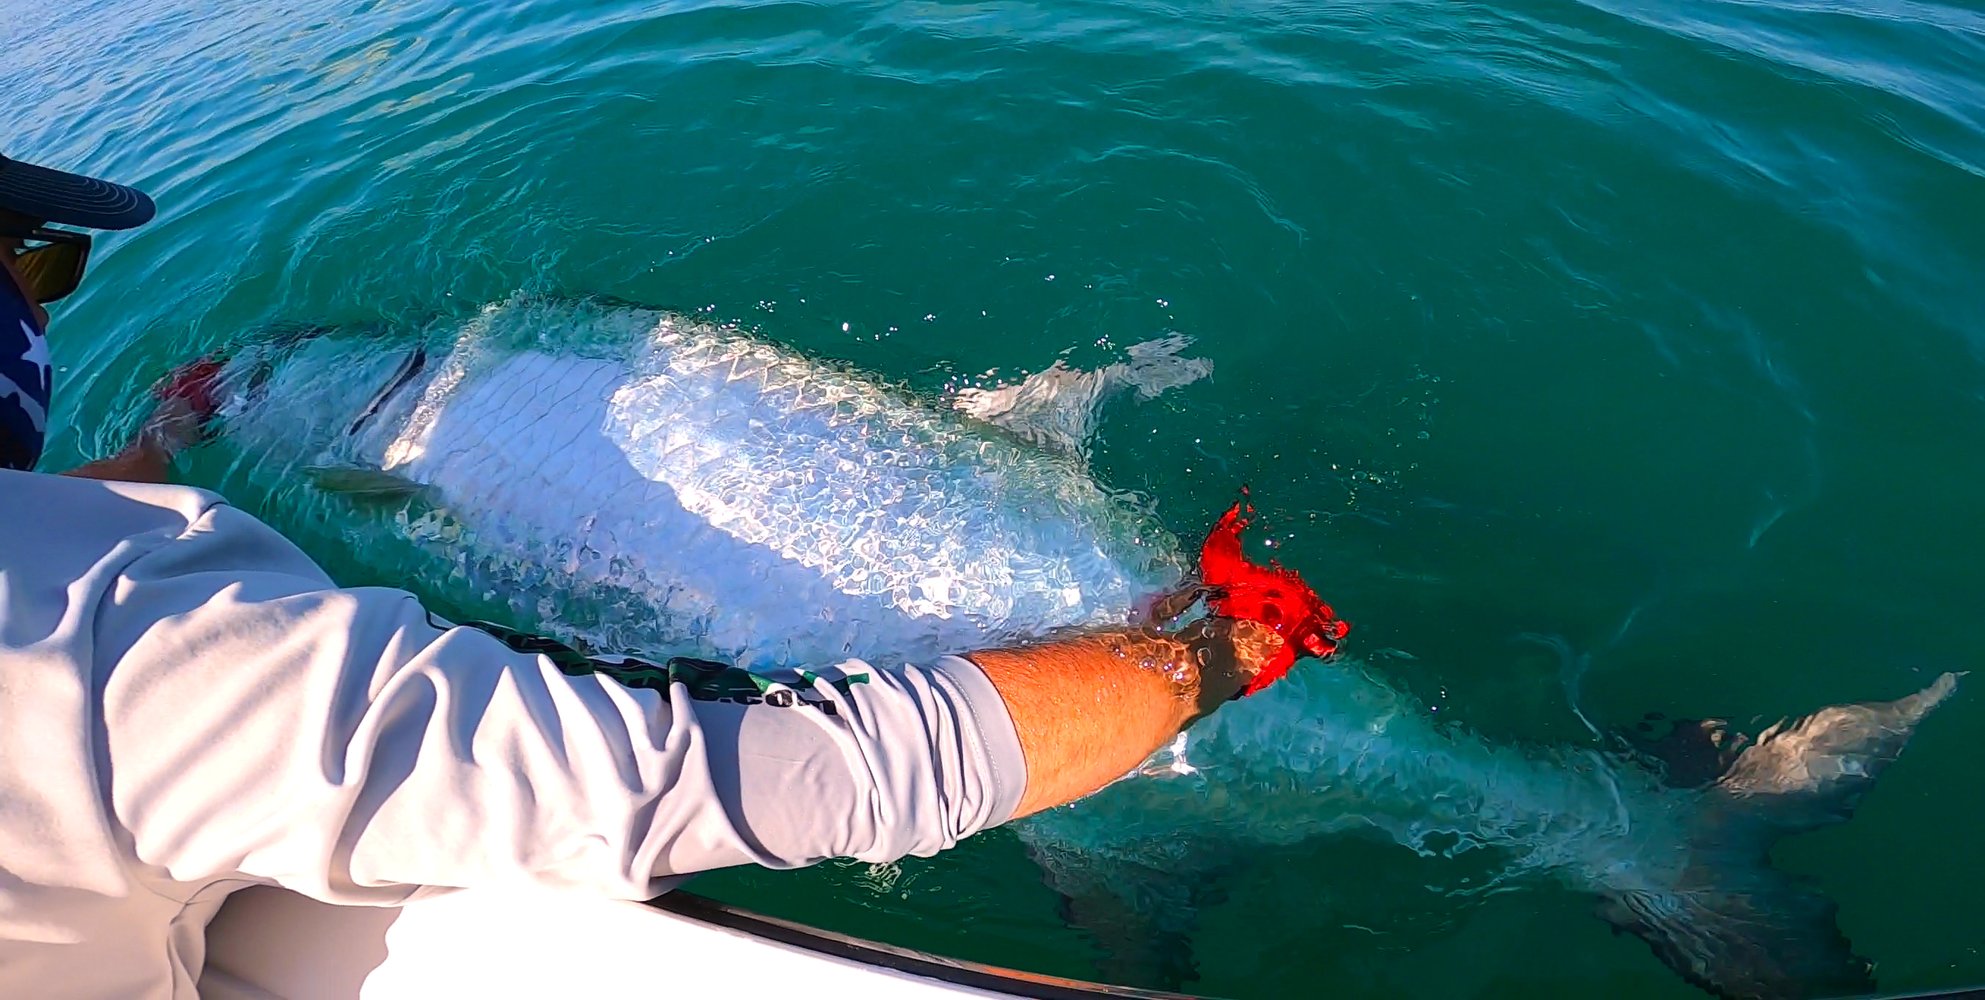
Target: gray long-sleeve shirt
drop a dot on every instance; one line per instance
(188, 705)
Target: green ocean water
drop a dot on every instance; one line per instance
(1657, 327)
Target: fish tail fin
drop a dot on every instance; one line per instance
(1731, 923)
(1057, 406)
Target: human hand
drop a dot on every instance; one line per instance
(1163, 607)
(1230, 653)
(188, 397)
(1271, 595)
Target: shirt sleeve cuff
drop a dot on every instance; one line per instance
(998, 741)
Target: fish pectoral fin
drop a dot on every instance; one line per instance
(1157, 365)
(1057, 406)
(1141, 919)
(1754, 933)
(364, 482)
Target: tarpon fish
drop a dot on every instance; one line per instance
(642, 482)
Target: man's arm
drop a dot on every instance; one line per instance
(258, 721)
(1089, 710)
(186, 402)
(137, 463)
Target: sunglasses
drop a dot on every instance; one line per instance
(50, 261)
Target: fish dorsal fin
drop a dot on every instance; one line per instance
(1057, 407)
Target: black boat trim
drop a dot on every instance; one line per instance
(958, 972)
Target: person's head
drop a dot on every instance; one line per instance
(39, 264)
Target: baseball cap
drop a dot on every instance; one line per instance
(49, 195)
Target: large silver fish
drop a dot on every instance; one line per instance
(646, 483)
(643, 482)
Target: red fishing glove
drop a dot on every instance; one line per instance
(1274, 596)
(196, 382)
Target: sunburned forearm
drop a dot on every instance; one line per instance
(1088, 710)
(172, 426)
(135, 464)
